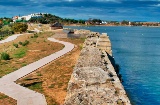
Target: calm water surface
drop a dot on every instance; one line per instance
(137, 51)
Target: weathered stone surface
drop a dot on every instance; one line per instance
(82, 32)
(94, 80)
(104, 43)
(90, 57)
(92, 86)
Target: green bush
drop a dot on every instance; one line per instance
(19, 27)
(5, 56)
(15, 45)
(1, 38)
(25, 43)
(20, 43)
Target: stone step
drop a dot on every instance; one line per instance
(107, 44)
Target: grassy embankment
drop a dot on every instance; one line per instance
(52, 80)
(38, 47)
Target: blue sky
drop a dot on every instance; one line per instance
(117, 10)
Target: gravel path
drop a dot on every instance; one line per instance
(23, 95)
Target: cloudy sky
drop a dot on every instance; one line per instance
(117, 10)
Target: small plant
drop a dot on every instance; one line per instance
(1, 38)
(36, 35)
(39, 74)
(5, 56)
(20, 43)
(15, 45)
(81, 46)
(23, 64)
(25, 43)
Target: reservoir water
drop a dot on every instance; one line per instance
(137, 51)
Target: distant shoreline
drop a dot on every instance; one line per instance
(108, 25)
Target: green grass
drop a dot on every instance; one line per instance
(21, 52)
(39, 74)
(36, 86)
(3, 96)
(23, 64)
(51, 86)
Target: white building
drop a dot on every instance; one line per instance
(28, 17)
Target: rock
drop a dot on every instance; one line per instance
(94, 80)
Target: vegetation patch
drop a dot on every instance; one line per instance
(3, 96)
(15, 45)
(19, 27)
(56, 75)
(6, 100)
(26, 42)
(21, 52)
(5, 56)
(35, 86)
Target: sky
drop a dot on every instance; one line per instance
(111, 10)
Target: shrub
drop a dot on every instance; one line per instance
(25, 43)
(20, 43)
(5, 56)
(15, 45)
(1, 38)
(19, 27)
(36, 35)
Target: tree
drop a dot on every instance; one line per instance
(19, 27)
(124, 22)
(97, 21)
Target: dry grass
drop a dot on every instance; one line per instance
(56, 75)
(23, 55)
(52, 79)
(42, 27)
(36, 49)
(5, 100)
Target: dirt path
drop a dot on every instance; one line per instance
(23, 95)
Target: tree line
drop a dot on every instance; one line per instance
(50, 19)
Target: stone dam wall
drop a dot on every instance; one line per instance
(94, 80)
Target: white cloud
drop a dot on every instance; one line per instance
(156, 5)
(150, 0)
(36, 1)
(69, 0)
(108, 0)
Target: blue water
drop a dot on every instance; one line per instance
(137, 51)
